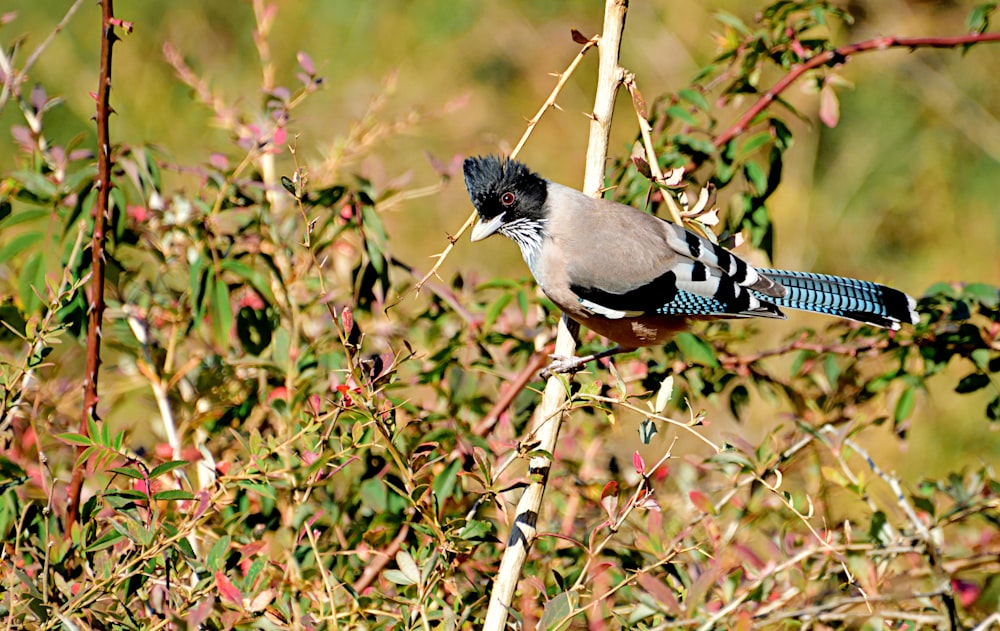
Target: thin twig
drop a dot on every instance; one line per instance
(13, 76)
(550, 102)
(647, 142)
(375, 567)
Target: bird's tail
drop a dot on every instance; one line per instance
(859, 300)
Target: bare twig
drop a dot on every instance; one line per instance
(95, 307)
(548, 416)
(378, 563)
(14, 76)
(647, 142)
(549, 103)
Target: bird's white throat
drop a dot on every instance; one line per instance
(528, 235)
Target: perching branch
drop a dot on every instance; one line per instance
(549, 414)
(95, 306)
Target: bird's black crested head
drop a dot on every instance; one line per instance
(500, 185)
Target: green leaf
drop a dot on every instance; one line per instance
(128, 472)
(19, 244)
(444, 484)
(983, 293)
(558, 611)
(36, 184)
(755, 142)
(106, 541)
(694, 97)
(696, 350)
(76, 439)
(682, 114)
(173, 494)
(981, 358)
(408, 566)
(165, 467)
(904, 406)
(254, 278)
(221, 313)
(832, 369)
(131, 495)
(26, 216)
(756, 177)
(217, 553)
(495, 309)
(31, 283)
(397, 577)
(265, 490)
(979, 19)
(731, 20)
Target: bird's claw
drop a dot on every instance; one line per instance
(562, 364)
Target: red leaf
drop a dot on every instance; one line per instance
(660, 591)
(968, 592)
(347, 321)
(701, 502)
(227, 590)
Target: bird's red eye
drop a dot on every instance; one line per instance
(507, 198)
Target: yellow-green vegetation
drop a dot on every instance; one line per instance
(289, 435)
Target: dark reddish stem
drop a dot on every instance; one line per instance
(95, 306)
(535, 364)
(840, 55)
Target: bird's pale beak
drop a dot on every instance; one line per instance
(483, 229)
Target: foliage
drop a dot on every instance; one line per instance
(347, 456)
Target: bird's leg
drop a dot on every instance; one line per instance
(561, 364)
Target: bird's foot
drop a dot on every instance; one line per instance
(566, 365)
(562, 365)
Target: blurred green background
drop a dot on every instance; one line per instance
(903, 191)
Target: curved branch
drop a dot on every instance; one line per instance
(839, 56)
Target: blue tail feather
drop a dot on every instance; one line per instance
(850, 298)
(864, 301)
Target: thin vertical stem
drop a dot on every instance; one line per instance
(95, 305)
(549, 414)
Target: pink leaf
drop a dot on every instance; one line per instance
(306, 63)
(829, 106)
(639, 463)
(219, 161)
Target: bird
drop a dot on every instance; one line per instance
(637, 279)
